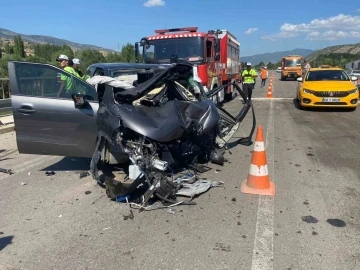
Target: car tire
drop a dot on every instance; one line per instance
(298, 104)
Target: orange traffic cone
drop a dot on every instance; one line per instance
(269, 93)
(258, 181)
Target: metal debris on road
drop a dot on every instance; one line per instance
(8, 171)
(48, 173)
(84, 174)
(186, 177)
(201, 186)
(131, 216)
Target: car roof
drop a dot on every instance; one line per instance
(323, 69)
(125, 65)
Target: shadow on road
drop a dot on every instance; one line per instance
(4, 241)
(321, 109)
(70, 164)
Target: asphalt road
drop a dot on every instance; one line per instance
(54, 222)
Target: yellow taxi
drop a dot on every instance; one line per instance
(327, 87)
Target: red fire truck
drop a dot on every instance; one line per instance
(215, 55)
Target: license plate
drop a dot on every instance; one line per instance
(331, 100)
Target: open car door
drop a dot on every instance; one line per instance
(47, 123)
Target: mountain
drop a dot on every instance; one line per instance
(274, 57)
(346, 48)
(38, 39)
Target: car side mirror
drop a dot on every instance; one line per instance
(299, 79)
(80, 100)
(354, 78)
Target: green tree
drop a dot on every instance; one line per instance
(66, 49)
(128, 53)
(261, 64)
(19, 48)
(9, 49)
(113, 57)
(89, 57)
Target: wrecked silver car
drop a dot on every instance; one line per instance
(148, 133)
(140, 134)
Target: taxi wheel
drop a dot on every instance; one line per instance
(299, 106)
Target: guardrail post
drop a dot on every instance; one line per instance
(3, 89)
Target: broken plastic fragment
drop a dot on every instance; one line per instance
(201, 186)
(84, 174)
(186, 177)
(171, 211)
(50, 173)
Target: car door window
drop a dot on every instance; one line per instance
(42, 80)
(99, 72)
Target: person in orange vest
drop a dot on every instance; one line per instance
(264, 75)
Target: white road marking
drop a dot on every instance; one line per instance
(272, 99)
(263, 251)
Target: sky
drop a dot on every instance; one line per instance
(261, 26)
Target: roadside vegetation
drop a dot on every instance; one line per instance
(47, 53)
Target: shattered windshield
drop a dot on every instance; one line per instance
(327, 75)
(164, 50)
(293, 63)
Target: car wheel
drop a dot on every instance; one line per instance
(300, 107)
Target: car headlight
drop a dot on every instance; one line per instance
(353, 91)
(307, 91)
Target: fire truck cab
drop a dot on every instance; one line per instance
(214, 55)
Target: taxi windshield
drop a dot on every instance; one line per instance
(327, 75)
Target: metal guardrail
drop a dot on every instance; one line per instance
(5, 105)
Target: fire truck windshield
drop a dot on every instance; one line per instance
(164, 50)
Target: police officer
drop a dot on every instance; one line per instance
(66, 80)
(248, 78)
(76, 65)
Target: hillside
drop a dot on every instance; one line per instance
(347, 48)
(38, 39)
(274, 57)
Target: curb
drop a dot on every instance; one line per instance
(7, 128)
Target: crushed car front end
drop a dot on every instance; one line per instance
(148, 133)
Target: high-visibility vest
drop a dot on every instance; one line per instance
(264, 74)
(249, 79)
